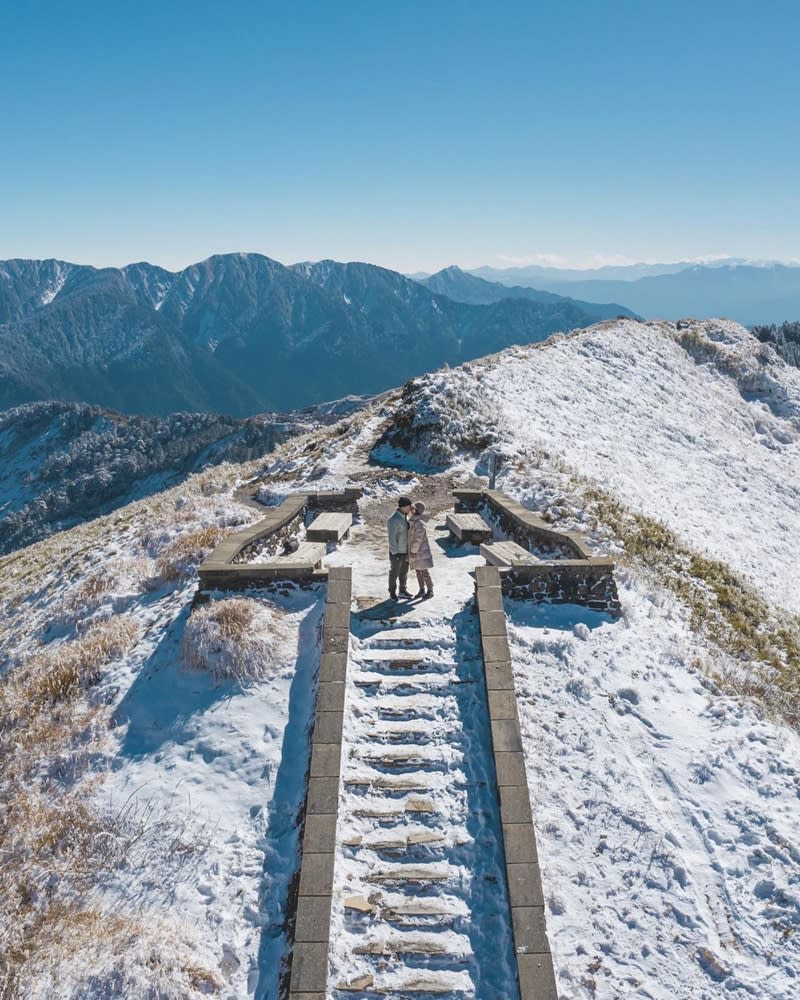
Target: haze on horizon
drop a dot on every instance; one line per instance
(569, 135)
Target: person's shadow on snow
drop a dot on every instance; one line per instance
(386, 609)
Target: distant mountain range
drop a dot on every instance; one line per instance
(748, 292)
(463, 286)
(543, 276)
(241, 333)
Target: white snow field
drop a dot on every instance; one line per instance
(667, 811)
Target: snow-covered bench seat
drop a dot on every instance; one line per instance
(507, 554)
(306, 555)
(468, 528)
(329, 527)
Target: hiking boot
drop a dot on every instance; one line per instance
(406, 594)
(392, 595)
(429, 594)
(419, 595)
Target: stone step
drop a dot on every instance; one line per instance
(401, 636)
(385, 910)
(400, 654)
(395, 840)
(424, 681)
(402, 946)
(391, 782)
(399, 733)
(416, 984)
(410, 708)
(412, 806)
(412, 873)
(424, 664)
(400, 755)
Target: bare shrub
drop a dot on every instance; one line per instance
(182, 556)
(231, 639)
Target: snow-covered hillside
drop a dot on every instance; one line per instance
(153, 798)
(698, 428)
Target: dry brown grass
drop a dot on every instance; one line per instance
(234, 617)
(53, 845)
(182, 556)
(231, 639)
(58, 673)
(130, 956)
(721, 605)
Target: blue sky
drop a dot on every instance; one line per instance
(411, 135)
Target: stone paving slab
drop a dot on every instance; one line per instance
(309, 967)
(515, 805)
(487, 576)
(309, 972)
(502, 703)
(506, 735)
(510, 768)
(493, 623)
(330, 696)
(313, 919)
(536, 978)
(525, 884)
(339, 591)
(337, 616)
(323, 795)
(319, 836)
(342, 573)
(335, 640)
(520, 843)
(326, 760)
(530, 931)
(490, 599)
(499, 676)
(523, 878)
(333, 668)
(495, 647)
(328, 727)
(316, 875)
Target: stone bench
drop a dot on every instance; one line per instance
(329, 527)
(468, 528)
(306, 555)
(507, 554)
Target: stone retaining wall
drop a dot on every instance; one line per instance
(532, 950)
(228, 567)
(573, 575)
(309, 960)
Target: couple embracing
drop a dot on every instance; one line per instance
(409, 549)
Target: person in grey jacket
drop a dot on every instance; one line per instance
(398, 548)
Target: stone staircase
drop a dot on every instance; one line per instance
(419, 901)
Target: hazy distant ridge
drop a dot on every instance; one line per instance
(747, 292)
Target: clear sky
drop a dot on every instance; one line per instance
(412, 135)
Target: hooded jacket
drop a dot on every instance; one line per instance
(419, 548)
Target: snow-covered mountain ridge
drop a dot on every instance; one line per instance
(697, 427)
(664, 794)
